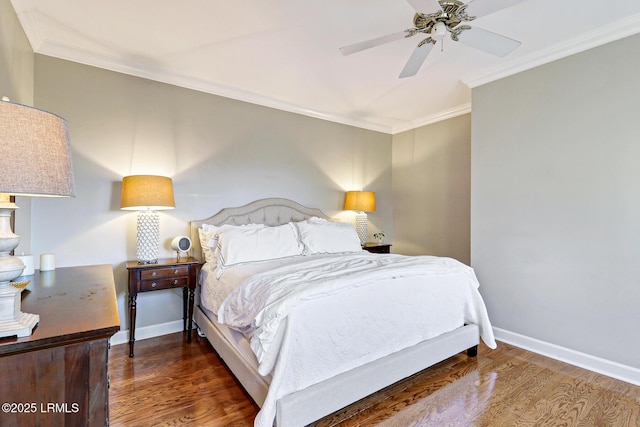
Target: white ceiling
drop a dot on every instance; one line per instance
(284, 54)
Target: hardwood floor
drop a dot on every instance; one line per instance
(171, 383)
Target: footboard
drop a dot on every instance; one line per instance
(314, 402)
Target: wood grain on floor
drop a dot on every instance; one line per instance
(172, 383)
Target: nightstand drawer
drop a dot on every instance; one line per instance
(163, 273)
(154, 285)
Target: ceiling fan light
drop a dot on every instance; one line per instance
(439, 30)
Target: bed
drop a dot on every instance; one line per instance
(324, 348)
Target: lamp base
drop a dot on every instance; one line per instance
(361, 227)
(12, 320)
(148, 237)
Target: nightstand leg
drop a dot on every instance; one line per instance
(132, 323)
(184, 308)
(190, 317)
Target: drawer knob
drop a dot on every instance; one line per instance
(153, 273)
(154, 284)
(175, 281)
(175, 271)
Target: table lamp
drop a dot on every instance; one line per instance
(35, 160)
(147, 194)
(361, 202)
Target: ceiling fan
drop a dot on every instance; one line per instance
(448, 17)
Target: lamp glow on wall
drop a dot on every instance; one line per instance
(147, 194)
(35, 160)
(361, 202)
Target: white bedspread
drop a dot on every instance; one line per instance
(382, 303)
(264, 300)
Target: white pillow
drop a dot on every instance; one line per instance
(205, 238)
(209, 239)
(317, 219)
(241, 245)
(326, 237)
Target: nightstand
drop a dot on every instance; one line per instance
(166, 274)
(377, 248)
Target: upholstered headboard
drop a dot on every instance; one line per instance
(270, 212)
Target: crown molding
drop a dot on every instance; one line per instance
(112, 63)
(606, 34)
(107, 62)
(24, 9)
(443, 115)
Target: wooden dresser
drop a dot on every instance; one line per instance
(58, 375)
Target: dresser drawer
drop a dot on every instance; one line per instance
(154, 285)
(164, 273)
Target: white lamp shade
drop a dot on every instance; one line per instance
(34, 152)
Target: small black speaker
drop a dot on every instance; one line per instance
(181, 244)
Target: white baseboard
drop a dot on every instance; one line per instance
(602, 366)
(142, 333)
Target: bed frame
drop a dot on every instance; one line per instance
(314, 402)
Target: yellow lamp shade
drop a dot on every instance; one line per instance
(152, 192)
(364, 201)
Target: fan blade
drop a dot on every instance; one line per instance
(487, 41)
(348, 50)
(480, 8)
(425, 6)
(416, 60)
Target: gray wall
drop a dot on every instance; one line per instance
(431, 189)
(16, 58)
(220, 152)
(555, 208)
